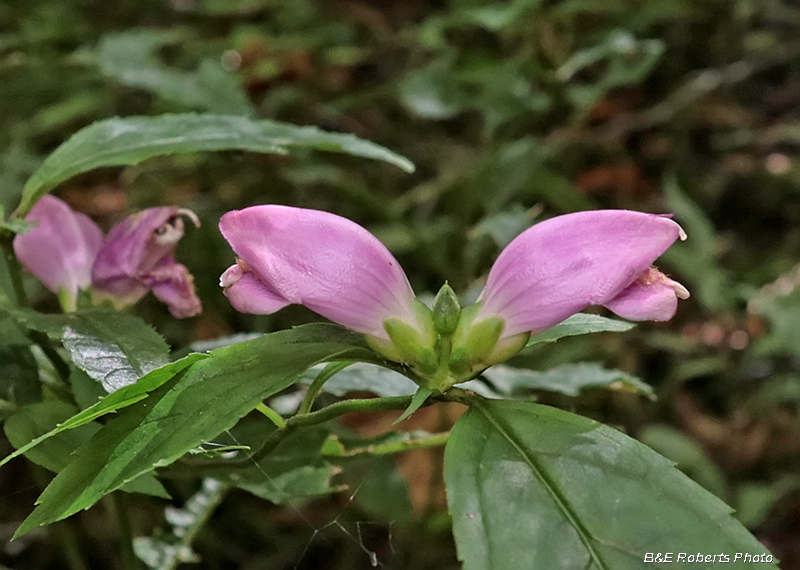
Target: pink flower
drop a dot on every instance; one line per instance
(565, 264)
(329, 264)
(551, 271)
(60, 250)
(137, 257)
(66, 251)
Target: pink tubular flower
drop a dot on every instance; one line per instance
(60, 250)
(563, 265)
(66, 251)
(551, 271)
(137, 257)
(329, 264)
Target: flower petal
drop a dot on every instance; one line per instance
(61, 250)
(249, 295)
(652, 297)
(173, 285)
(563, 265)
(329, 264)
(134, 247)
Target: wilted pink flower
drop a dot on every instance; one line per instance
(137, 257)
(329, 264)
(565, 264)
(60, 250)
(66, 251)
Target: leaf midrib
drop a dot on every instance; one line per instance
(552, 490)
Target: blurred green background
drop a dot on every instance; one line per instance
(513, 112)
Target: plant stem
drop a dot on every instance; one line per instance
(68, 540)
(325, 375)
(273, 416)
(302, 420)
(460, 396)
(42, 341)
(429, 440)
(120, 507)
(7, 244)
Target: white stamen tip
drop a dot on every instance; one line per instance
(680, 291)
(189, 214)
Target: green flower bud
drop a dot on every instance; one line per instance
(446, 311)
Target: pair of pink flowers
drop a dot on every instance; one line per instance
(67, 251)
(338, 269)
(548, 273)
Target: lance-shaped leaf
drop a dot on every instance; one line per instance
(529, 486)
(130, 140)
(206, 400)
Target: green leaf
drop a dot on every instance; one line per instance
(15, 226)
(416, 403)
(582, 323)
(295, 469)
(529, 486)
(114, 348)
(130, 140)
(19, 376)
(32, 421)
(130, 58)
(121, 398)
(568, 379)
(197, 406)
(688, 455)
(380, 490)
(365, 377)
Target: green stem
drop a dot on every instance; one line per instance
(272, 415)
(313, 390)
(389, 448)
(120, 507)
(302, 420)
(43, 341)
(67, 538)
(460, 396)
(7, 244)
(7, 407)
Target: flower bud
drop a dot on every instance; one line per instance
(446, 311)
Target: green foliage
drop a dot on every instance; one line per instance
(580, 324)
(567, 379)
(517, 476)
(130, 58)
(513, 112)
(112, 348)
(176, 416)
(122, 141)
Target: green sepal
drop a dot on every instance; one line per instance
(416, 403)
(414, 346)
(483, 336)
(507, 347)
(446, 311)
